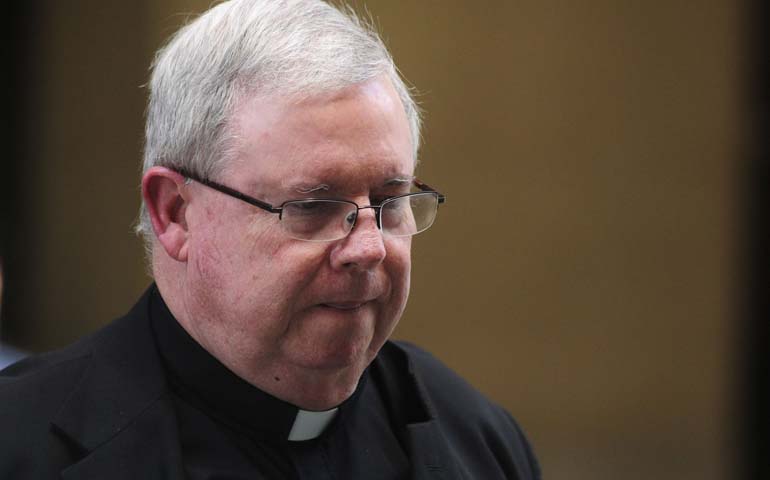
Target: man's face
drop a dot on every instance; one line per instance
(285, 313)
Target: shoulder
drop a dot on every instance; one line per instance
(42, 378)
(55, 406)
(46, 372)
(476, 426)
(434, 373)
(445, 389)
(40, 383)
(31, 393)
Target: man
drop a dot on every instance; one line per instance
(279, 202)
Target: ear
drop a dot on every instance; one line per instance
(163, 191)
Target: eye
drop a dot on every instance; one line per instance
(395, 202)
(305, 206)
(379, 199)
(311, 207)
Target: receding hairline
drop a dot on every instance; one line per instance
(282, 102)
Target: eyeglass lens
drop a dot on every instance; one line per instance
(325, 220)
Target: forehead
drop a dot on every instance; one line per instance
(350, 139)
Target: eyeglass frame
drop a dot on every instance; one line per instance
(424, 188)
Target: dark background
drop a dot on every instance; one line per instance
(599, 268)
(755, 407)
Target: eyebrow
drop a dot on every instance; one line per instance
(319, 187)
(391, 182)
(399, 181)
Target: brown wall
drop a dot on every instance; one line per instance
(581, 272)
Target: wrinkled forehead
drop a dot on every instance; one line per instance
(349, 139)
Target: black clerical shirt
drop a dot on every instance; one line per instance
(230, 429)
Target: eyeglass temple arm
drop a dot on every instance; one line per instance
(427, 188)
(266, 206)
(229, 191)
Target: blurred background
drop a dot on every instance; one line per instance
(595, 269)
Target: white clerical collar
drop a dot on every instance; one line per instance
(309, 425)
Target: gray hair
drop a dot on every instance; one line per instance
(291, 48)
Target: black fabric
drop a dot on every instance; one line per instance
(103, 408)
(203, 381)
(230, 429)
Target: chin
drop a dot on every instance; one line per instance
(334, 342)
(330, 386)
(340, 358)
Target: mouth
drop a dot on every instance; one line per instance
(345, 306)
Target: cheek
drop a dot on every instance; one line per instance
(398, 264)
(398, 269)
(275, 272)
(224, 258)
(399, 254)
(208, 261)
(210, 235)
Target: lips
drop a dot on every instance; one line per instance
(348, 298)
(344, 305)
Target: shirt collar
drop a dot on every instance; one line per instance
(200, 378)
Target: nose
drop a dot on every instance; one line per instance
(363, 248)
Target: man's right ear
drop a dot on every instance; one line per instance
(165, 198)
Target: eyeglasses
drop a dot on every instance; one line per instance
(326, 220)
